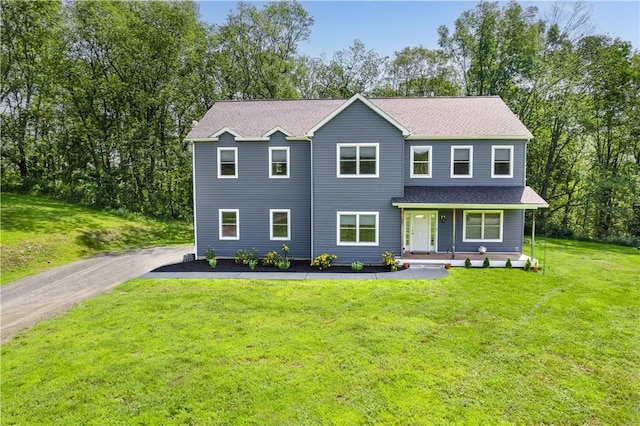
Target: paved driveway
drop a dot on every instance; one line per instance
(24, 302)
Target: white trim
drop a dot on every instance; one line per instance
(202, 140)
(356, 243)
(277, 129)
(298, 138)
(493, 159)
(411, 160)
(252, 139)
(288, 212)
(470, 148)
(235, 159)
(466, 137)
(408, 216)
(195, 193)
(224, 130)
(357, 146)
(359, 97)
(469, 206)
(237, 212)
(271, 149)
(481, 239)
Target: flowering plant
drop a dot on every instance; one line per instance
(389, 260)
(324, 261)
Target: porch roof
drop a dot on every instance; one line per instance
(498, 197)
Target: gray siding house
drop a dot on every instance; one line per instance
(361, 176)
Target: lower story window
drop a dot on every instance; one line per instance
(229, 221)
(482, 226)
(358, 228)
(280, 228)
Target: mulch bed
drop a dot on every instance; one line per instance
(229, 265)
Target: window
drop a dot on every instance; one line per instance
(482, 226)
(227, 162)
(356, 228)
(461, 161)
(502, 160)
(279, 223)
(279, 162)
(357, 160)
(420, 161)
(229, 221)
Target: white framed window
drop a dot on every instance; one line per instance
(420, 161)
(502, 161)
(461, 161)
(480, 225)
(357, 160)
(227, 163)
(357, 229)
(229, 224)
(280, 224)
(279, 162)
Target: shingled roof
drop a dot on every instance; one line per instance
(434, 117)
(516, 197)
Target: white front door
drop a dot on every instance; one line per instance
(421, 227)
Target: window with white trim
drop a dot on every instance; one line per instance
(357, 228)
(227, 162)
(482, 225)
(279, 162)
(279, 224)
(420, 161)
(502, 161)
(357, 160)
(229, 224)
(461, 161)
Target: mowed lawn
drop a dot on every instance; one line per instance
(40, 232)
(481, 346)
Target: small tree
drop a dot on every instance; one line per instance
(467, 263)
(486, 263)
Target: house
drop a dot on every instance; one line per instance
(359, 177)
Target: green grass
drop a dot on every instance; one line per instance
(481, 346)
(39, 233)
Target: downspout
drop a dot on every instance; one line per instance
(453, 242)
(311, 170)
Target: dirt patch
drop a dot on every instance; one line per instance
(229, 265)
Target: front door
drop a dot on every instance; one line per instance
(421, 227)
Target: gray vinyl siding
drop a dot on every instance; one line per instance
(441, 163)
(512, 233)
(253, 194)
(357, 124)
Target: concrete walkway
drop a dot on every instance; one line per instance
(25, 302)
(416, 272)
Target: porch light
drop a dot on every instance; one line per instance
(443, 218)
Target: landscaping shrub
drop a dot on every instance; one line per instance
(357, 266)
(272, 258)
(508, 265)
(486, 263)
(244, 257)
(324, 261)
(389, 260)
(467, 263)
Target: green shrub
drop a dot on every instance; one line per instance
(210, 253)
(486, 263)
(252, 264)
(272, 258)
(323, 261)
(284, 264)
(508, 265)
(213, 262)
(244, 257)
(527, 265)
(467, 263)
(357, 266)
(388, 259)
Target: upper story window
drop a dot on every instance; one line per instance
(229, 224)
(502, 161)
(227, 162)
(279, 221)
(461, 161)
(420, 161)
(358, 228)
(357, 160)
(279, 162)
(482, 225)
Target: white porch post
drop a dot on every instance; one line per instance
(453, 239)
(533, 232)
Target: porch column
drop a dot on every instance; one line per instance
(402, 231)
(533, 232)
(453, 240)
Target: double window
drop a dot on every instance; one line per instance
(357, 160)
(482, 225)
(357, 228)
(278, 162)
(228, 163)
(461, 161)
(502, 161)
(420, 161)
(279, 224)
(229, 224)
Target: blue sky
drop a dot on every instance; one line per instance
(389, 26)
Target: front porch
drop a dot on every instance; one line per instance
(497, 260)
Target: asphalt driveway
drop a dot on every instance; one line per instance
(25, 302)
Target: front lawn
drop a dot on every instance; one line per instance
(481, 346)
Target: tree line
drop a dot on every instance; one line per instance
(98, 96)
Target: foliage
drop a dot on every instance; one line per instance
(244, 257)
(357, 266)
(284, 264)
(252, 264)
(210, 253)
(527, 265)
(486, 263)
(213, 262)
(508, 264)
(388, 259)
(323, 261)
(472, 348)
(272, 258)
(40, 233)
(467, 263)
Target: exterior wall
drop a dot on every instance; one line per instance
(482, 165)
(357, 124)
(253, 194)
(512, 233)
